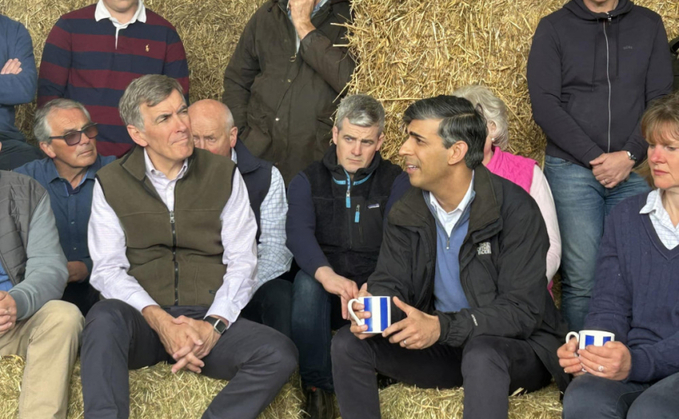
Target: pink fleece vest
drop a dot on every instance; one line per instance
(518, 169)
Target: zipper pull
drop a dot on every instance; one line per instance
(357, 216)
(609, 17)
(171, 217)
(448, 243)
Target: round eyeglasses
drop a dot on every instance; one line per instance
(73, 137)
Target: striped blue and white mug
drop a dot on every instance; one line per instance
(591, 337)
(380, 313)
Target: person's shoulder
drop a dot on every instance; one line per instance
(154, 19)
(9, 25)
(629, 207)
(643, 13)
(86, 12)
(104, 160)
(19, 182)
(33, 168)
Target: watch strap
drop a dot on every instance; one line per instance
(217, 324)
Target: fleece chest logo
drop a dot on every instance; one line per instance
(628, 47)
(483, 249)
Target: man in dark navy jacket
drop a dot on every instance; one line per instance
(334, 231)
(593, 68)
(213, 129)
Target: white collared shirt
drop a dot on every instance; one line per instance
(273, 257)
(662, 223)
(449, 219)
(106, 242)
(101, 12)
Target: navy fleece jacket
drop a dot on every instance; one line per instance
(591, 77)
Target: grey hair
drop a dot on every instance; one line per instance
(41, 128)
(362, 110)
(494, 110)
(148, 90)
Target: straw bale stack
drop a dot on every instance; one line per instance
(413, 49)
(209, 29)
(155, 393)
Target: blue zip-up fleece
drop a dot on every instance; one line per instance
(592, 75)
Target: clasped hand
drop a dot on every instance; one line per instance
(418, 330)
(612, 361)
(187, 340)
(8, 312)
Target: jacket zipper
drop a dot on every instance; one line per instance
(608, 79)
(174, 259)
(348, 206)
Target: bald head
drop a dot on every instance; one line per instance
(212, 127)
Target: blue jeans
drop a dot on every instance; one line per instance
(582, 204)
(589, 396)
(315, 313)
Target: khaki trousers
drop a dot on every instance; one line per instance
(48, 341)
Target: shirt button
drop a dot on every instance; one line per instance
(72, 222)
(75, 248)
(289, 81)
(278, 119)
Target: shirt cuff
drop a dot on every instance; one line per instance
(227, 311)
(141, 300)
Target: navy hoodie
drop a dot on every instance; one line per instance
(592, 75)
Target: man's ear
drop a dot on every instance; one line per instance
(456, 152)
(137, 136)
(380, 141)
(335, 135)
(233, 137)
(47, 149)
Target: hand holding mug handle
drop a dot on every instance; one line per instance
(575, 335)
(350, 307)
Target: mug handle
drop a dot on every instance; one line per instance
(351, 309)
(570, 335)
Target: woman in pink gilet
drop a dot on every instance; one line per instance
(523, 171)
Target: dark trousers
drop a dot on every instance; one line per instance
(589, 396)
(82, 295)
(256, 360)
(271, 306)
(315, 313)
(490, 368)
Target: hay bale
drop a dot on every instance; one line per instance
(209, 29)
(413, 49)
(154, 393)
(403, 401)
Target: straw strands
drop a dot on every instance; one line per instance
(414, 49)
(155, 393)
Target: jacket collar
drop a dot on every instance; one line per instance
(134, 163)
(247, 163)
(578, 8)
(338, 172)
(412, 210)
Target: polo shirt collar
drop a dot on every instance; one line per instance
(101, 12)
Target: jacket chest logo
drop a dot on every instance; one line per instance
(483, 249)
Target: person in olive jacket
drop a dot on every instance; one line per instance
(463, 258)
(284, 79)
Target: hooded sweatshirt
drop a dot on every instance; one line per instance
(592, 75)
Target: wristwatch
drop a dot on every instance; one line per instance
(217, 324)
(631, 156)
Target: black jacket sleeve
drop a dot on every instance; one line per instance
(658, 84)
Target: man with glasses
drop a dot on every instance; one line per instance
(68, 136)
